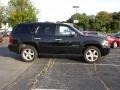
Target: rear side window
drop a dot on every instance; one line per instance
(23, 29)
(46, 30)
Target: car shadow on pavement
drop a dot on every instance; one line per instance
(4, 52)
(78, 59)
(71, 59)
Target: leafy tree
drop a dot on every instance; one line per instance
(91, 22)
(116, 15)
(21, 11)
(115, 25)
(82, 18)
(1, 15)
(74, 17)
(84, 21)
(103, 21)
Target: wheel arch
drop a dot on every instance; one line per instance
(89, 45)
(24, 44)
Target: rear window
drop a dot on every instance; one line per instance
(24, 28)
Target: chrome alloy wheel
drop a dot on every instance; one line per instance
(28, 54)
(92, 55)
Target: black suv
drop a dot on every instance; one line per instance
(43, 38)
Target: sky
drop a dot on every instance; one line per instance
(61, 10)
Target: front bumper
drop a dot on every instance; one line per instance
(105, 51)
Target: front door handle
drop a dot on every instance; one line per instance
(58, 39)
(37, 38)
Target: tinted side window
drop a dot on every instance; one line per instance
(46, 30)
(64, 31)
(23, 29)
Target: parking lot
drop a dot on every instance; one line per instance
(58, 72)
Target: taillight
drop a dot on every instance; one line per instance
(10, 39)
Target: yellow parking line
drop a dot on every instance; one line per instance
(42, 74)
(89, 64)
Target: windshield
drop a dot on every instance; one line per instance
(116, 34)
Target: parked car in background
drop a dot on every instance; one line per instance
(4, 32)
(1, 39)
(114, 40)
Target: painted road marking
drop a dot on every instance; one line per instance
(100, 79)
(91, 64)
(42, 73)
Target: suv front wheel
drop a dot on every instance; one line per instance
(28, 53)
(92, 54)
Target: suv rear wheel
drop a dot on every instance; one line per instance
(92, 54)
(28, 53)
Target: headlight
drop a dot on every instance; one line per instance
(105, 43)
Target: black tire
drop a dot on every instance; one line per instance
(31, 53)
(92, 58)
(114, 44)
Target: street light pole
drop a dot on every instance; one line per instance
(76, 7)
(76, 20)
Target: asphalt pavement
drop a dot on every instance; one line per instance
(59, 73)
(11, 66)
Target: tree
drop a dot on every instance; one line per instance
(103, 21)
(115, 25)
(116, 15)
(92, 22)
(21, 11)
(84, 21)
(82, 18)
(1, 15)
(74, 17)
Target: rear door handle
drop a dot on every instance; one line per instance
(58, 39)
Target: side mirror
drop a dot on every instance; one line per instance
(73, 35)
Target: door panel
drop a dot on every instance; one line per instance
(67, 41)
(44, 37)
(68, 45)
